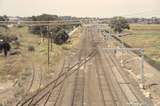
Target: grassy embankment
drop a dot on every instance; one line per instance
(145, 36)
(15, 65)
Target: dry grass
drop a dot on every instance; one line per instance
(19, 68)
(38, 57)
(147, 37)
(145, 27)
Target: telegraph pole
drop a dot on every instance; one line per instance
(109, 37)
(41, 34)
(48, 46)
(51, 40)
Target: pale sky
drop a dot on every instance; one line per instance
(81, 8)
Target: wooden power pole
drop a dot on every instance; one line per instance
(48, 36)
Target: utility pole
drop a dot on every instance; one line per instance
(122, 47)
(109, 38)
(48, 45)
(41, 34)
(51, 37)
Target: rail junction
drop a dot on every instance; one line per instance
(91, 77)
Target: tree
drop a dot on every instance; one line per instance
(61, 37)
(57, 33)
(44, 17)
(118, 24)
(4, 18)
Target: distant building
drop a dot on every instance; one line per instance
(67, 18)
(153, 20)
(14, 18)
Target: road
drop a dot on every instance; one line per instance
(92, 77)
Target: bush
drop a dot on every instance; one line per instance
(118, 24)
(61, 37)
(31, 48)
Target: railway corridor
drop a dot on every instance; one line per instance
(96, 79)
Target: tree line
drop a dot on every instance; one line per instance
(59, 34)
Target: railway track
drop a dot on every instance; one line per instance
(119, 87)
(79, 91)
(106, 92)
(106, 85)
(45, 93)
(92, 77)
(128, 85)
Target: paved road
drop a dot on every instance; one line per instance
(96, 79)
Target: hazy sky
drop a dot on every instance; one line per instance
(96, 8)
